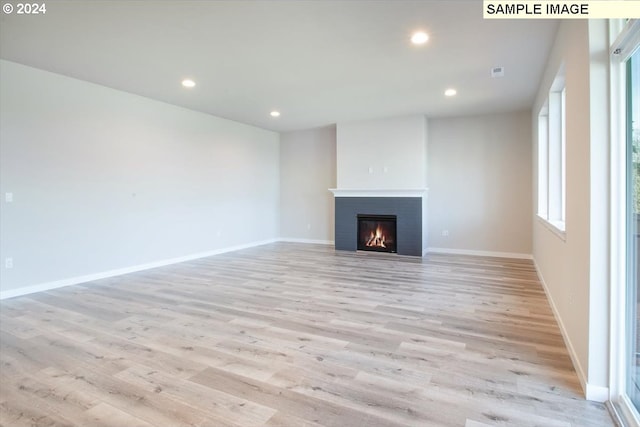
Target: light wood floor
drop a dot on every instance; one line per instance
(294, 335)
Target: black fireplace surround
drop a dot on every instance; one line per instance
(408, 213)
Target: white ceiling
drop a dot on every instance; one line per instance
(318, 62)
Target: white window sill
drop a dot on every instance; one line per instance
(556, 227)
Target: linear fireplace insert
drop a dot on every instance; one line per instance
(377, 233)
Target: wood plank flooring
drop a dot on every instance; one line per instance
(294, 335)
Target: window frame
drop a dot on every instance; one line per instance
(626, 36)
(551, 156)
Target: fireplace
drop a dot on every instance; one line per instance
(407, 206)
(377, 233)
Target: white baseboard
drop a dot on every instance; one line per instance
(567, 341)
(120, 271)
(311, 241)
(596, 393)
(479, 253)
(591, 392)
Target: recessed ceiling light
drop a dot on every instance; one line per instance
(419, 37)
(450, 92)
(275, 114)
(188, 83)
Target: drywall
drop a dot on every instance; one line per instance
(382, 154)
(574, 269)
(104, 180)
(307, 171)
(480, 183)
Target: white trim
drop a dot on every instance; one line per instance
(556, 227)
(617, 240)
(587, 389)
(627, 41)
(310, 241)
(623, 410)
(563, 331)
(480, 253)
(25, 290)
(596, 393)
(425, 251)
(354, 192)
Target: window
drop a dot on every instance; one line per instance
(625, 223)
(551, 157)
(633, 230)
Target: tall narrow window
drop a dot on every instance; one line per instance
(563, 157)
(551, 157)
(543, 161)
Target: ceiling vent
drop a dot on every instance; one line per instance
(497, 72)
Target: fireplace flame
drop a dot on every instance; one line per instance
(377, 239)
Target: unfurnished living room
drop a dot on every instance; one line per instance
(317, 213)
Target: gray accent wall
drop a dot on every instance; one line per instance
(408, 211)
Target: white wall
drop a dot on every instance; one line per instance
(480, 183)
(393, 149)
(104, 180)
(574, 270)
(307, 171)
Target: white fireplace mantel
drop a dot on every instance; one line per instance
(354, 192)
